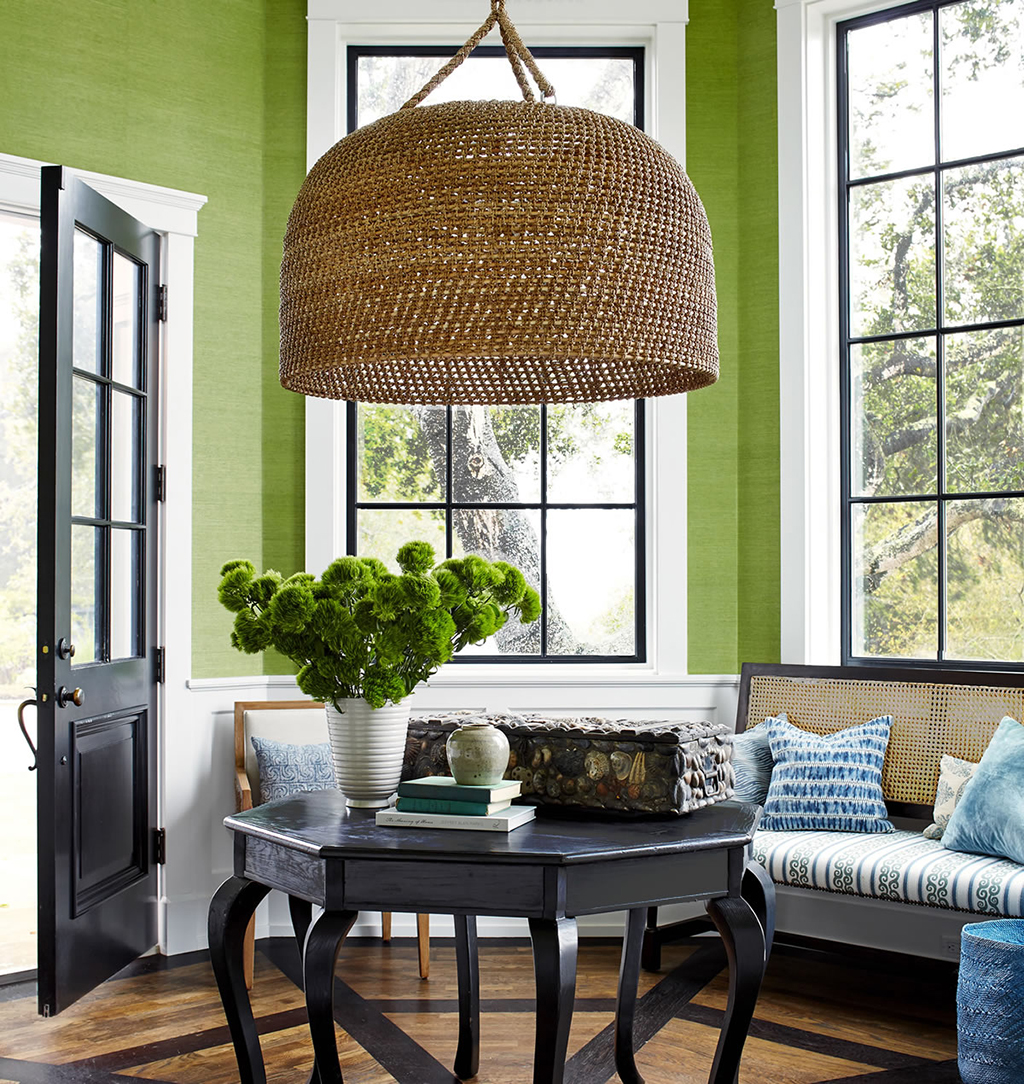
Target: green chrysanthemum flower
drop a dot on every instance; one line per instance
(250, 633)
(235, 585)
(292, 606)
(529, 608)
(345, 571)
(420, 592)
(416, 557)
(512, 586)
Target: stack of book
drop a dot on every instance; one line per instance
(439, 802)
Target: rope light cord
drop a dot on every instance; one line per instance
(515, 49)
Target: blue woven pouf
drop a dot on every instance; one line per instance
(990, 1003)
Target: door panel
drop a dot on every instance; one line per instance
(96, 590)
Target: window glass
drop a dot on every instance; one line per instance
(550, 489)
(933, 332)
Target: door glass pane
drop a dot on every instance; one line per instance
(892, 256)
(495, 454)
(126, 345)
(86, 563)
(126, 442)
(984, 241)
(400, 453)
(985, 574)
(591, 575)
(982, 78)
(88, 350)
(125, 590)
(590, 453)
(503, 534)
(86, 449)
(890, 80)
(895, 594)
(985, 410)
(892, 418)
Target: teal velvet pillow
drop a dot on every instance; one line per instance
(989, 818)
(752, 759)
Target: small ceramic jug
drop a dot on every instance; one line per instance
(477, 754)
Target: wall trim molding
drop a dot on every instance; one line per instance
(808, 326)
(659, 26)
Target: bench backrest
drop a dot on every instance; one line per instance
(933, 711)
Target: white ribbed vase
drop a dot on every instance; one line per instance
(367, 747)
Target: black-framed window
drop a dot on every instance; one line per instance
(931, 268)
(557, 490)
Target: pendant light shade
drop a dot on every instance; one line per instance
(497, 252)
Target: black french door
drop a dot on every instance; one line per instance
(97, 590)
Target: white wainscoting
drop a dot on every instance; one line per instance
(199, 760)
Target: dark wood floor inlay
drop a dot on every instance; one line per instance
(30, 1072)
(819, 1021)
(829, 1045)
(187, 1044)
(390, 1047)
(936, 1072)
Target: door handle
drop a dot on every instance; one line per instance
(21, 722)
(65, 649)
(76, 697)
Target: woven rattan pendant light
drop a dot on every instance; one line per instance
(497, 252)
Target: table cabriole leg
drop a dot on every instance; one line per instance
(554, 965)
(625, 1001)
(467, 1054)
(231, 908)
(301, 912)
(323, 941)
(759, 891)
(744, 943)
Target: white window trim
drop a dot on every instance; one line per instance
(174, 215)
(808, 325)
(659, 26)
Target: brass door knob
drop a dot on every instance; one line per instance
(76, 697)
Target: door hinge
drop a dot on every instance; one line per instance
(160, 665)
(160, 846)
(161, 303)
(161, 483)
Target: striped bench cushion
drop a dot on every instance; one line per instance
(901, 866)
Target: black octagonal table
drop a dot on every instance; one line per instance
(549, 871)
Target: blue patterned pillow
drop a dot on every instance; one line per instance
(287, 769)
(831, 782)
(752, 759)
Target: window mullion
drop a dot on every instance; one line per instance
(940, 345)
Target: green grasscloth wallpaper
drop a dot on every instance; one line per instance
(210, 97)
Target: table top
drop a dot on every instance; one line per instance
(318, 823)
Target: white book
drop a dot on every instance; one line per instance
(502, 820)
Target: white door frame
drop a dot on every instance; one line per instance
(174, 215)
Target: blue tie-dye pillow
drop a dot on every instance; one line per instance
(752, 760)
(288, 769)
(829, 782)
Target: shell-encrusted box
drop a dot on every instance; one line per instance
(594, 763)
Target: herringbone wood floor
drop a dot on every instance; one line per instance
(818, 1020)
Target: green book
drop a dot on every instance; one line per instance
(447, 805)
(445, 787)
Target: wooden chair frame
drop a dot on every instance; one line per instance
(243, 800)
